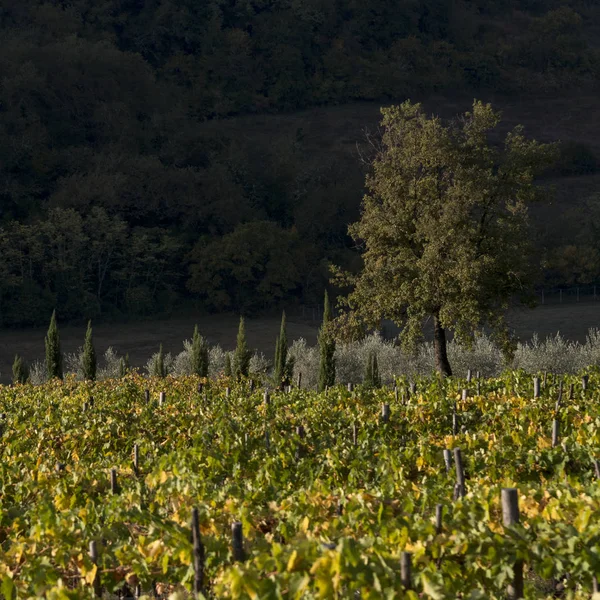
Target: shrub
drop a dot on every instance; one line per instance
(216, 361)
(306, 361)
(160, 364)
(72, 363)
(113, 365)
(38, 372)
(183, 363)
(20, 370)
(259, 364)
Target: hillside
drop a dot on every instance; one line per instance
(163, 155)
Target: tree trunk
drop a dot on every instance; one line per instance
(442, 365)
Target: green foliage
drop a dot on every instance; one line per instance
(326, 348)
(345, 510)
(89, 363)
(228, 371)
(253, 267)
(54, 357)
(242, 354)
(444, 227)
(20, 370)
(199, 354)
(158, 365)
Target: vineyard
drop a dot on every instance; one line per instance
(174, 487)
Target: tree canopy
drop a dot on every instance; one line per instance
(444, 227)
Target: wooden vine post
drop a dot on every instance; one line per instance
(438, 518)
(198, 553)
(114, 486)
(237, 542)
(136, 457)
(555, 432)
(454, 420)
(510, 517)
(95, 560)
(459, 488)
(385, 413)
(406, 570)
(447, 459)
(536, 387)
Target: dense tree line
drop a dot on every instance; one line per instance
(115, 200)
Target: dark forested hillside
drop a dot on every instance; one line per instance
(117, 198)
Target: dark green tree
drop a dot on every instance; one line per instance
(228, 370)
(54, 357)
(20, 370)
(199, 354)
(376, 379)
(280, 372)
(368, 377)
(88, 360)
(242, 354)
(326, 348)
(444, 228)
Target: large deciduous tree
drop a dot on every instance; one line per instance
(444, 228)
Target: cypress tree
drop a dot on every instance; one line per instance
(375, 371)
(368, 378)
(54, 358)
(89, 363)
(20, 370)
(227, 371)
(281, 351)
(276, 375)
(122, 367)
(242, 355)
(199, 354)
(326, 349)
